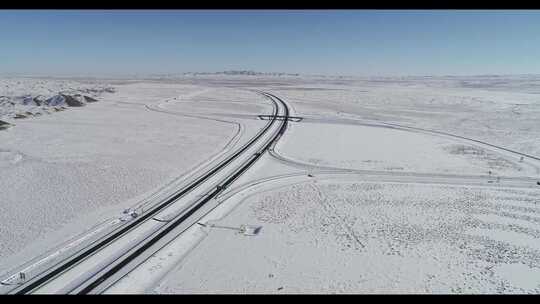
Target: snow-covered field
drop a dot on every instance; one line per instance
(502, 110)
(65, 172)
(387, 226)
(373, 148)
(350, 236)
(328, 237)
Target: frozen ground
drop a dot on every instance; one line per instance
(394, 233)
(337, 236)
(65, 172)
(325, 237)
(501, 110)
(379, 148)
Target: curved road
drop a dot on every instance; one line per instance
(92, 268)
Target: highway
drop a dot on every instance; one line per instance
(97, 266)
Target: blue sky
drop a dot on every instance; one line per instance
(346, 42)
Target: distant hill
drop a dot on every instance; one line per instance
(242, 72)
(227, 73)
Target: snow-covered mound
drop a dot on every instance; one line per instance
(4, 125)
(25, 97)
(66, 100)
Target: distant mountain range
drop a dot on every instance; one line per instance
(241, 72)
(229, 73)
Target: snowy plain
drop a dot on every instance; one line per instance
(333, 237)
(324, 236)
(64, 172)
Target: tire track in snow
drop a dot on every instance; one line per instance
(332, 211)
